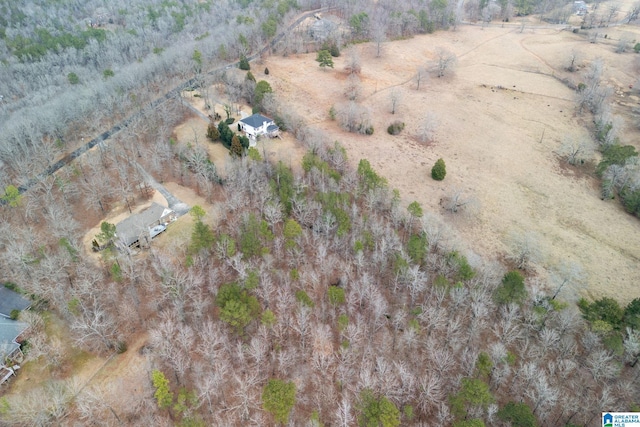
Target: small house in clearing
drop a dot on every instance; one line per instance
(257, 124)
(139, 229)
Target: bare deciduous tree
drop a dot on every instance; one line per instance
(633, 12)
(353, 63)
(395, 97)
(353, 89)
(421, 76)
(459, 200)
(427, 128)
(573, 59)
(354, 117)
(444, 62)
(524, 249)
(576, 151)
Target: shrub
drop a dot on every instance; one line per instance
(439, 170)
(615, 155)
(121, 347)
(14, 314)
(606, 309)
(266, 71)
(636, 48)
(332, 113)
(304, 299)
(336, 295)
(73, 78)
(108, 73)
(395, 128)
(631, 201)
(332, 47)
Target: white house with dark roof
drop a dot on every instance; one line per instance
(257, 124)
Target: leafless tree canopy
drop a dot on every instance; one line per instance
(444, 62)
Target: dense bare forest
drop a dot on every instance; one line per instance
(312, 296)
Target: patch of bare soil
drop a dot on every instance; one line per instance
(502, 117)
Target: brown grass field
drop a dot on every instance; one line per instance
(502, 117)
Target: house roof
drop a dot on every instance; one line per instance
(130, 229)
(256, 120)
(9, 331)
(322, 28)
(10, 300)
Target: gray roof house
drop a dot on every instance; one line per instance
(257, 124)
(10, 331)
(10, 300)
(140, 228)
(322, 28)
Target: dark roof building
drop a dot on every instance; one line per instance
(256, 120)
(10, 300)
(257, 124)
(137, 227)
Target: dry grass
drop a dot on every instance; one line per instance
(492, 114)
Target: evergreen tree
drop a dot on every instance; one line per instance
(163, 394)
(325, 59)
(518, 415)
(278, 398)
(262, 87)
(439, 171)
(236, 147)
(212, 131)
(377, 412)
(244, 64)
(512, 289)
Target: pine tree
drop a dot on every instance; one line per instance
(439, 171)
(236, 147)
(324, 58)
